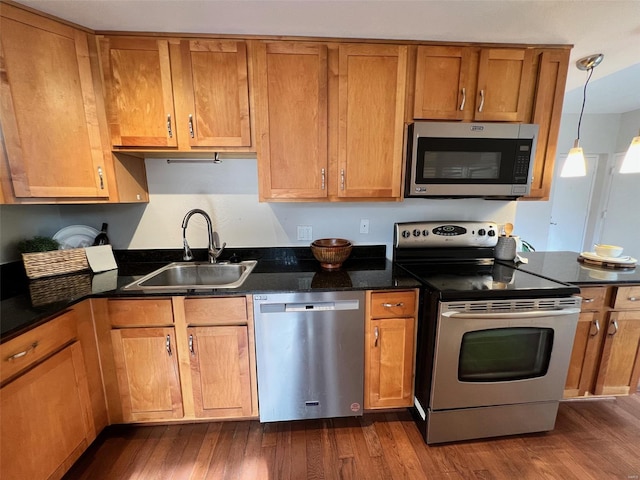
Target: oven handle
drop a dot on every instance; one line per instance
(514, 315)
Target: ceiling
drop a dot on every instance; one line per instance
(611, 27)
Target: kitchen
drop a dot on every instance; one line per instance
(176, 188)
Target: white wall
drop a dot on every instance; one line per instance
(229, 193)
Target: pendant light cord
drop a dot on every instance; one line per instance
(584, 99)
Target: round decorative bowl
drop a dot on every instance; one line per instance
(331, 252)
(608, 250)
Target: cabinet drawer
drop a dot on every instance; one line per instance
(393, 304)
(27, 349)
(134, 313)
(216, 311)
(627, 298)
(593, 298)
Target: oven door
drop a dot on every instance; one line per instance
(485, 357)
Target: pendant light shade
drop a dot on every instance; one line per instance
(631, 162)
(575, 165)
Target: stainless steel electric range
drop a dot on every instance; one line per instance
(494, 342)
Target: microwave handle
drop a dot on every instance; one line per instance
(514, 315)
(464, 98)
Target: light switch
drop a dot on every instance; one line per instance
(305, 232)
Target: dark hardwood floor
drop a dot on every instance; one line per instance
(596, 439)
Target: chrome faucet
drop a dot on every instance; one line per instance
(214, 251)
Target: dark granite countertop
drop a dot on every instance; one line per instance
(26, 304)
(565, 267)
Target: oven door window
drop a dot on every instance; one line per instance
(505, 354)
(464, 160)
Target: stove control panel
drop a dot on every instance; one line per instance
(445, 234)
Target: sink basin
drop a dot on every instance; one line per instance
(195, 275)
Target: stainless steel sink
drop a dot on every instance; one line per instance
(195, 275)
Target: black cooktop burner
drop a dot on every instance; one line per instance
(454, 281)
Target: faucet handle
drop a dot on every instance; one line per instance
(214, 253)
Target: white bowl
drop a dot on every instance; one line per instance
(608, 250)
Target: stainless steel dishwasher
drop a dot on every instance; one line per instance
(310, 354)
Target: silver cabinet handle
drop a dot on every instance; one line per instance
(191, 350)
(613, 324)
(588, 300)
(342, 179)
(481, 100)
(632, 299)
(376, 335)
(101, 178)
(168, 345)
(391, 305)
(596, 324)
(191, 125)
(464, 98)
(169, 129)
(322, 173)
(15, 356)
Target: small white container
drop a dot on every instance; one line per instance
(608, 250)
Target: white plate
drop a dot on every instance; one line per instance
(600, 258)
(76, 236)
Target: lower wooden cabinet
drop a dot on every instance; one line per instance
(219, 358)
(390, 349)
(177, 358)
(147, 370)
(606, 352)
(46, 420)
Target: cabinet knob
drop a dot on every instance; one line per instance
(391, 305)
(168, 345)
(632, 299)
(376, 335)
(587, 300)
(596, 324)
(191, 126)
(191, 350)
(15, 356)
(464, 98)
(322, 173)
(613, 324)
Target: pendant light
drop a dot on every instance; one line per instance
(631, 162)
(575, 165)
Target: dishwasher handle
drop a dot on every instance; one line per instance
(297, 307)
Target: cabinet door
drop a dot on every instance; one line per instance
(547, 111)
(442, 83)
(585, 354)
(389, 369)
(137, 82)
(215, 90)
(503, 75)
(620, 364)
(147, 370)
(371, 99)
(45, 418)
(48, 109)
(291, 102)
(220, 371)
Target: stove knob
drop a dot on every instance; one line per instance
(482, 232)
(425, 233)
(406, 234)
(416, 233)
(492, 233)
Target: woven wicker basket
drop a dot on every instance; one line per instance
(50, 290)
(55, 262)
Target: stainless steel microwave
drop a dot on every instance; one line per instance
(450, 159)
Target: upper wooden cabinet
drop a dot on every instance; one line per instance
(172, 94)
(48, 110)
(291, 120)
(470, 83)
(329, 120)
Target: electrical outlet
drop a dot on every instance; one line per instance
(364, 225)
(304, 232)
